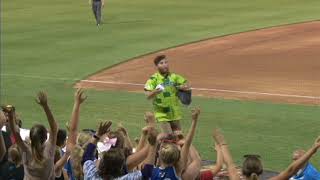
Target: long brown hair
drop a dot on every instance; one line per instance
(38, 136)
(112, 163)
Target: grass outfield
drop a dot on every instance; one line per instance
(56, 39)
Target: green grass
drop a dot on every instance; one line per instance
(59, 40)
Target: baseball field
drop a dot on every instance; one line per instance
(253, 65)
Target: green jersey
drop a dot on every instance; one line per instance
(166, 104)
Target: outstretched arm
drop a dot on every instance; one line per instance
(152, 140)
(102, 130)
(232, 170)
(298, 164)
(219, 162)
(142, 152)
(13, 129)
(150, 160)
(136, 158)
(62, 161)
(42, 100)
(143, 139)
(79, 98)
(186, 147)
(193, 169)
(150, 120)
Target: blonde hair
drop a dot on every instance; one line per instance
(83, 139)
(76, 157)
(169, 154)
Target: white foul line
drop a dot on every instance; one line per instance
(211, 89)
(138, 84)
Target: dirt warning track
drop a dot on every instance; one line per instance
(280, 64)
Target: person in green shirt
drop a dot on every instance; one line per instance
(162, 88)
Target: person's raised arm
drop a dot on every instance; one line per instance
(151, 157)
(150, 120)
(193, 169)
(219, 162)
(136, 158)
(14, 130)
(102, 130)
(127, 141)
(232, 170)
(79, 98)
(63, 160)
(42, 100)
(186, 147)
(3, 149)
(298, 164)
(142, 150)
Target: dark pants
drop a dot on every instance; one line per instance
(96, 8)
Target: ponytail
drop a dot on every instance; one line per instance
(37, 151)
(38, 136)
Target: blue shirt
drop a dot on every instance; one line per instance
(308, 173)
(90, 172)
(168, 173)
(68, 168)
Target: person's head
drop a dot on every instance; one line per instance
(162, 64)
(112, 163)
(252, 167)
(120, 139)
(83, 138)
(61, 138)
(127, 142)
(14, 155)
(38, 136)
(298, 154)
(169, 154)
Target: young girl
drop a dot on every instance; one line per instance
(38, 159)
(173, 160)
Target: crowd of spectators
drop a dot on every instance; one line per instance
(108, 153)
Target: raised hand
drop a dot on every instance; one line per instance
(42, 99)
(104, 128)
(218, 137)
(145, 130)
(149, 118)
(195, 113)
(317, 143)
(153, 133)
(79, 96)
